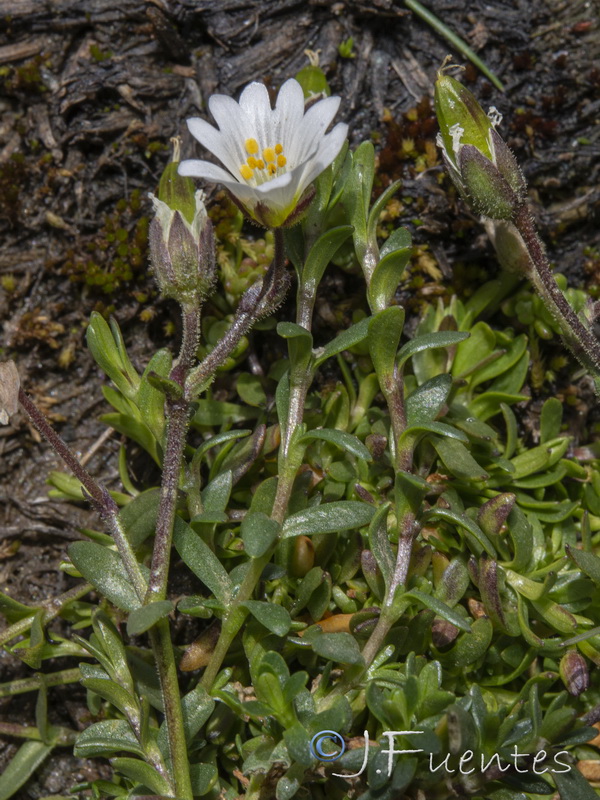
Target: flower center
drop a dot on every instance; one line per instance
(260, 169)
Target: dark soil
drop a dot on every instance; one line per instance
(91, 92)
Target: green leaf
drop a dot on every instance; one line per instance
(216, 495)
(321, 253)
(441, 609)
(21, 767)
(398, 239)
(108, 349)
(150, 400)
(12, 610)
(550, 419)
(473, 531)
(142, 773)
(215, 412)
(471, 646)
(587, 562)
(134, 429)
(343, 440)
(427, 401)
(458, 460)
(309, 584)
(264, 496)
(31, 652)
(385, 331)
(387, 275)
(202, 561)
(430, 341)
(139, 517)
(219, 438)
(539, 458)
(297, 743)
(299, 343)
(111, 643)
(203, 778)
(106, 737)
(512, 379)
(379, 543)
(572, 785)
(511, 430)
(250, 390)
(197, 706)
(142, 619)
(490, 403)
(470, 353)
(275, 618)
(341, 648)
(115, 694)
(259, 533)
(413, 433)
(328, 518)
(357, 195)
(343, 341)
(504, 363)
(104, 569)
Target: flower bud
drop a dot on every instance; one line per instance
(182, 249)
(478, 160)
(182, 253)
(574, 672)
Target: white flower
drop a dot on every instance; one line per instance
(271, 156)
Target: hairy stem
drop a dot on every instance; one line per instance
(578, 336)
(177, 412)
(234, 619)
(160, 638)
(257, 301)
(236, 614)
(98, 495)
(394, 396)
(177, 424)
(399, 577)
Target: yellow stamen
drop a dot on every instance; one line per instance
(260, 164)
(279, 149)
(272, 169)
(281, 161)
(252, 162)
(251, 146)
(246, 171)
(269, 154)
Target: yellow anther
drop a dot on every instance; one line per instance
(279, 148)
(269, 154)
(272, 169)
(251, 146)
(252, 162)
(260, 164)
(246, 171)
(281, 161)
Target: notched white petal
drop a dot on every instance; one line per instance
(255, 99)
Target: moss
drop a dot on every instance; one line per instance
(100, 55)
(9, 283)
(118, 253)
(26, 78)
(14, 175)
